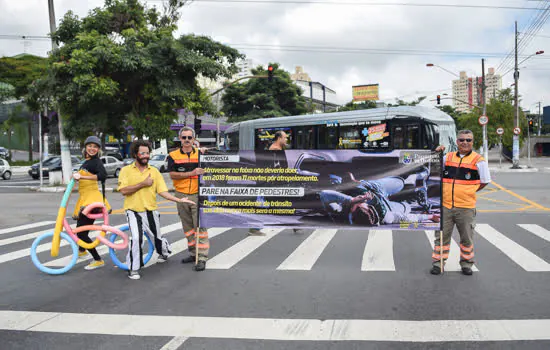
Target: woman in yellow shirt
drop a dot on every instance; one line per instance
(91, 171)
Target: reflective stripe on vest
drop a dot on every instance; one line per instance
(461, 180)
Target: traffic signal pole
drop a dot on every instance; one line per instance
(484, 100)
(515, 146)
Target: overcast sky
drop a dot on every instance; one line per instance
(337, 26)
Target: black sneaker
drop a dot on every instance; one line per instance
(188, 259)
(201, 265)
(467, 271)
(436, 270)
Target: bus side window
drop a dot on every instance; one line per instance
(327, 137)
(232, 141)
(304, 137)
(406, 136)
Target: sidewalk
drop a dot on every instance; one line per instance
(537, 164)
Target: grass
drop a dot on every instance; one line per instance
(22, 163)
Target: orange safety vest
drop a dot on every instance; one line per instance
(461, 180)
(185, 163)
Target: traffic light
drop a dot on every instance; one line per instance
(270, 70)
(197, 124)
(45, 125)
(438, 99)
(531, 125)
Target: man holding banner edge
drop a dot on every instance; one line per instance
(464, 173)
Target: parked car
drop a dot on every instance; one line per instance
(5, 169)
(114, 153)
(4, 153)
(112, 165)
(128, 161)
(160, 161)
(49, 164)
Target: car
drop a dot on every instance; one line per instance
(112, 165)
(4, 153)
(128, 161)
(50, 164)
(5, 169)
(159, 161)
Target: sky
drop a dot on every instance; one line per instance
(291, 34)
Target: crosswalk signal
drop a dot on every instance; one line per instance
(197, 125)
(438, 99)
(45, 125)
(270, 70)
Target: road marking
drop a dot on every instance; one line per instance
(277, 329)
(453, 262)
(26, 237)
(174, 344)
(537, 230)
(521, 256)
(304, 257)
(378, 255)
(26, 227)
(231, 256)
(528, 201)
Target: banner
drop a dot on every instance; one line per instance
(365, 93)
(346, 189)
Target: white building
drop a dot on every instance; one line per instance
(467, 90)
(321, 97)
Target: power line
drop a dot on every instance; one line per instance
(343, 3)
(24, 37)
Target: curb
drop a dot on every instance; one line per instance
(509, 170)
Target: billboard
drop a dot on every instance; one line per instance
(365, 93)
(321, 189)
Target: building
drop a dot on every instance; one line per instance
(320, 97)
(300, 75)
(467, 91)
(245, 68)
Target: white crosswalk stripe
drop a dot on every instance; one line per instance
(305, 256)
(521, 256)
(231, 256)
(537, 230)
(378, 254)
(453, 262)
(26, 227)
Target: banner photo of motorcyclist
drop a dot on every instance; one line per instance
(344, 189)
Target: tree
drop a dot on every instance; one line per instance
(400, 102)
(20, 71)
(121, 66)
(351, 106)
(450, 110)
(500, 111)
(258, 98)
(14, 124)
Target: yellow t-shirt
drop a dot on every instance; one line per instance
(146, 198)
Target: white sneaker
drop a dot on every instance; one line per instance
(162, 259)
(134, 275)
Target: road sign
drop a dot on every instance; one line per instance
(483, 120)
(517, 131)
(500, 131)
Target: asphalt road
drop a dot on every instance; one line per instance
(318, 289)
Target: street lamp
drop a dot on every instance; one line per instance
(519, 64)
(445, 69)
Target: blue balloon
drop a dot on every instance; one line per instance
(49, 270)
(114, 258)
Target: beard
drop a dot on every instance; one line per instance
(142, 161)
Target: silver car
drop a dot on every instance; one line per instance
(111, 164)
(5, 169)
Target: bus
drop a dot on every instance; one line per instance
(369, 130)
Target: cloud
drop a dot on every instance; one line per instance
(250, 27)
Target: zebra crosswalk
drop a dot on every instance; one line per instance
(378, 254)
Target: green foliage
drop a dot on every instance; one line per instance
(121, 66)
(21, 71)
(351, 106)
(258, 98)
(15, 124)
(500, 111)
(400, 102)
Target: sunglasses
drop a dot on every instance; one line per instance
(465, 140)
(143, 153)
(186, 137)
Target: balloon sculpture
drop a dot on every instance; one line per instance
(70, 235)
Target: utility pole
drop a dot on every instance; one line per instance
(515, 147)
(63, 143)
(540, 120)
(484, 100)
